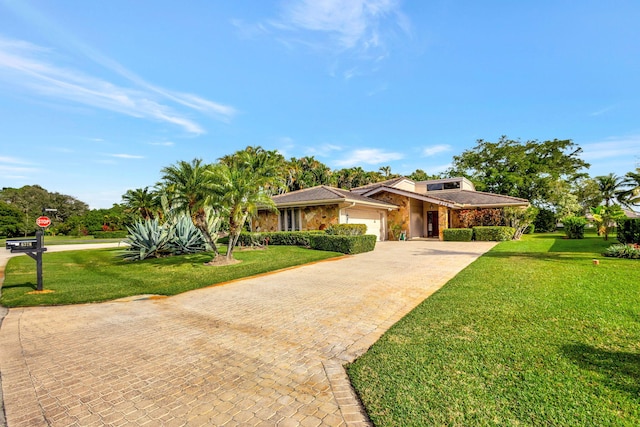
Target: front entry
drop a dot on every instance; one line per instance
(432, 224)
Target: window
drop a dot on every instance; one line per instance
(452, 185)
(434, 187)
(290, 219)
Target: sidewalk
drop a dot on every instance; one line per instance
(262, 351)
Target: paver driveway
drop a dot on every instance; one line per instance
(261, 351)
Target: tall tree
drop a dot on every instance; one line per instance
(243, 182)
(608, 186)
(190, 188)
(141, 201)
(629, 195)
(520, 169)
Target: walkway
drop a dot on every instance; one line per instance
(262, 351)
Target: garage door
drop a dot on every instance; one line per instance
(370, 218)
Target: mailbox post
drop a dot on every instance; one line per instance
(32, 247)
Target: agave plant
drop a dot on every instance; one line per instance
(184, 237)
(147, 239)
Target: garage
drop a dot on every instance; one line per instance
(373, 219)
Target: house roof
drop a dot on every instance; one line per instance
(388, 183)
(419, 196)
(480, 199)
(325, 195)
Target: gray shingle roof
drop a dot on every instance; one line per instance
(467, 198)
(325, 194)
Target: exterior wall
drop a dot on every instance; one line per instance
(395, 217)
(313, 218)
(319, 217)
(455, 219)
(443, 221)
(265, 221)
(406, 185)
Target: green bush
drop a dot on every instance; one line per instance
(545, 221)
(457, 234)
(344, 244)
(347, 229)
(493, 234)
(530, 229)
(623, 251)
(629, 230)
(574, 226)
(279, 238)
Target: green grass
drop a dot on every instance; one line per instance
(531, 334)
(65, 240)
(100, 275)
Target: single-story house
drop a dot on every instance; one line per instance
(418, 208)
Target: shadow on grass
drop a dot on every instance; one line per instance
(544, 256)
(28, 285)
(621, 369)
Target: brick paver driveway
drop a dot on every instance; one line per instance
(262, 351)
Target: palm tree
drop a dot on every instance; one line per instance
(141, 201)
(630, 195)
(189, 186)
(609, 186)
(385, 171)
(243, 182)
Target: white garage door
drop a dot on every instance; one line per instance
(370, 218)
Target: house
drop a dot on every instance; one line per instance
(418, 208)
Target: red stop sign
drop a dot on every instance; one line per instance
(43, 221)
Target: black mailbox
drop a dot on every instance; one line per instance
(21, 245)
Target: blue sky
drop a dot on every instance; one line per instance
(97, 96)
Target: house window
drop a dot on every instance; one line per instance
(452, 185)
(434, 187)
(290, 219)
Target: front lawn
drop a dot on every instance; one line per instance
(100, 275)
(531, 334)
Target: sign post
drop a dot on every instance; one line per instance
(33, 248)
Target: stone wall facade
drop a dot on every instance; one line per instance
(312, 218)
(396, 219)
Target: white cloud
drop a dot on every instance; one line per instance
(369, 156)
(612, 147)
(353, 23)
(436, 149)
(125, 156)
(12, 160)
(322, 150)
(26, 66)
(163, 144)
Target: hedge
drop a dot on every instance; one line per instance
(629, 230)
(121, 234)
(344, 244)
(280, 238)
(494, 234)
(347, 229)
(457, 234)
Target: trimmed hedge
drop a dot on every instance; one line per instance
(279, 238)
(457, 234)
(493, 234)
(121, 234)
(629, 230)
(344, 244)
(347, 229)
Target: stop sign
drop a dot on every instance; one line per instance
(43, 221)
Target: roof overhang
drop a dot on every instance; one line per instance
(413, 195)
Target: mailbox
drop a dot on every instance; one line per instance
(22, 245)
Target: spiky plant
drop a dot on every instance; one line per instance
(147, 239)
(184, 237)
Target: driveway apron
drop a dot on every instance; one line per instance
(265, 351)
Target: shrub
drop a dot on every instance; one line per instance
(530, 229)
(629, 230)
(457, 234)
(545, 221)
(623, 251)
(574, 226)
(280, 238)
(184, 237)
(347, 229)
(480, 217)
(344, 244)
(494, 234)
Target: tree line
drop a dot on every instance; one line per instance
(550, 174)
